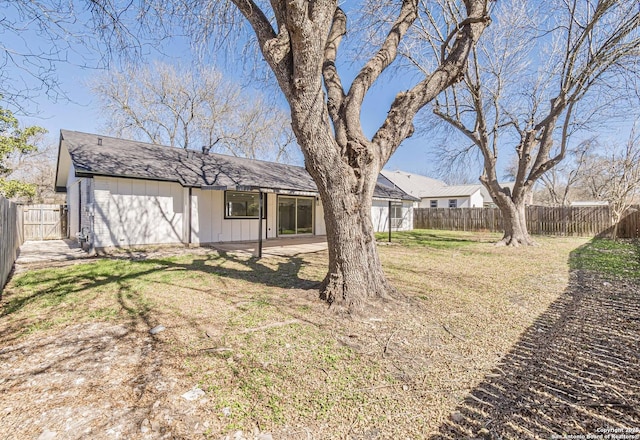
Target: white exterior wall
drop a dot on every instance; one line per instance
(473, 201)
(131, 212)
(476, 200)
(380, 216)
(73, 207)
(320, 228)
(208, 224)
(86, 210)
(79, 203)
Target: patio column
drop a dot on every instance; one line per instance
(260, 209)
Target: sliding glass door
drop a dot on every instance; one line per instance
(295, 215)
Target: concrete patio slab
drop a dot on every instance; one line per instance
(282, 247)
(38, 252)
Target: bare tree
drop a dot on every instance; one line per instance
(38, 37)
(562, 181)
(526, 82)
(301, 47)
(36, 168)
(196, 109)
(300, 42)
(613, 175)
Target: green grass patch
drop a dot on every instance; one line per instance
(615, 258)
(436, 239)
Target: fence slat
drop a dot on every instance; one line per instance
(11, 237)
(44, 222)
(541, 220)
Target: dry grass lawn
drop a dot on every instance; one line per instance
(77, 358)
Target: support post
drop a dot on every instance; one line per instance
(190, 214)
(260, 210)
(389, 217)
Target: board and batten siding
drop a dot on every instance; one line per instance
(128, 212)
(473, 201)
(380, 216)
(209, 225)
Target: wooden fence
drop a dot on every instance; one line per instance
(45, 222)
(11, 237)
(541, 220)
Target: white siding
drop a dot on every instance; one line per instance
(320, 227)
(130, 212)
(476, 200)
(209, 225)
(380, 216)
(473, 201)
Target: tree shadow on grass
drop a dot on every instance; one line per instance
(133, 357)
(54, 287)
(575, 371)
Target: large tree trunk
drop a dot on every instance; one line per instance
(515, 224)
(346, 179)
(513, 210)
(355, 274)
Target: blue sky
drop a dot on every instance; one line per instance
(81, 112)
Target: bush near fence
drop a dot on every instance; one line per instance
(11, 237)
(541, 220)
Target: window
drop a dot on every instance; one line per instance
(396, 216)
(433, 204)
(453, 203)
(240, 204)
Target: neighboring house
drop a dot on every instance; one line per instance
(126, 193)
(435, 193)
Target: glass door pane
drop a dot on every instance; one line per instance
(286, 215)
(305, 216)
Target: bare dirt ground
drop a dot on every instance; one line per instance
(575, 369)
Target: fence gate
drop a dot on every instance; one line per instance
(45, 222)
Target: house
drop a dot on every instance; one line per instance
(435, 193)
(125, 193)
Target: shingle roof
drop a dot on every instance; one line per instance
(452, 191)
(413, 184)
(132, 159)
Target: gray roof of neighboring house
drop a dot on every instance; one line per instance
(427, 187)
(413, 184)
(452, 191)
(424, 187)
(96, 155)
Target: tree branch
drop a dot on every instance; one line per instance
(335, 91)
(379, 62)
(398, 124)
